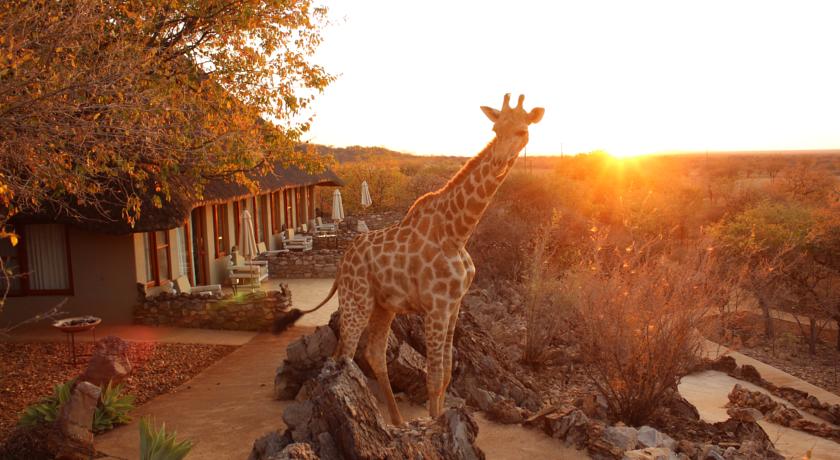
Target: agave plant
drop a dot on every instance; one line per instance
(113, 408)
(160, 445)
(46, 410)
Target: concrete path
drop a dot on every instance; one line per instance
(308, 293)
(223, 409)
(772, 374)
(709, 391)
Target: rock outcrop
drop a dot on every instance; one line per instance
(481, 375)
(336, 416)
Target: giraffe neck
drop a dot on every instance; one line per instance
(466, 196)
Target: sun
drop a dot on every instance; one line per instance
(625, 153)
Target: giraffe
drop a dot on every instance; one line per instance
(420, 265)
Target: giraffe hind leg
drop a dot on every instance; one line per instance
(378, 331)
(355, 306)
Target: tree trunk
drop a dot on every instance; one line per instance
(812, 343)
(769, 330)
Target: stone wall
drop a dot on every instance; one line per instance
(318, 263)
(246, 312)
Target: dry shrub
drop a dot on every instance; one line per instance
(546, 302)
(637, 314)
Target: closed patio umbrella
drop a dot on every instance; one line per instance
(366, 201)
(247, 241)
(337, 206)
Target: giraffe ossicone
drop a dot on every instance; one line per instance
(420, 265)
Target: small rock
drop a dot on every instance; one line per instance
(745, 414)
(651, 453)
(109, 362)
(751, 374)
(650, 437)
(724, 364)
(623, 437)
(729, 453)
(711, 452)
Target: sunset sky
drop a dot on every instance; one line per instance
(627, 77)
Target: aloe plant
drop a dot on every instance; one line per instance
(160, 445)
(46, 410)
(113, 408)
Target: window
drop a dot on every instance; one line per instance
(237, 217)
(261, 214)
(184, 252)
(156, 246)
(287, 203)
(298, 207)
(275, 215)
(221, 239)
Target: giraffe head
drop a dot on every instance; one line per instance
(511, 127)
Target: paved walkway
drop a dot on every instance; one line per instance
(709, 391)
(772, 374)
(223, 409)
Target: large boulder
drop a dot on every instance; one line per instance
(109, 362)
(337, 415)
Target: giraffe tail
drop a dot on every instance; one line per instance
(288, 319)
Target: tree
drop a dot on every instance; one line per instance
(104, 102)
(790, 254)
(104, 99)
(386, 184)
(758, 242)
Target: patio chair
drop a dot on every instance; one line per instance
(183, 284)
(246, 276)
(294, 241)
(239, 261)
(322, 228)
(263, 250)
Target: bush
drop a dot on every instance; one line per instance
(113, 409)
(637, 314)
(46, 410)
(546, 303)
(160, 445)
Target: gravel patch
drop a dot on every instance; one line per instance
(29, 371)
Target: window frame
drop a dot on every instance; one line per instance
(23, 263)
(153, 257)
(221, 241)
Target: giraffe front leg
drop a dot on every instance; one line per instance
(435, 342)
(447, 355)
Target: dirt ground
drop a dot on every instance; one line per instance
(29, 371)
(788, 351)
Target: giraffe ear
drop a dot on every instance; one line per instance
(491, 113)
(536, 115)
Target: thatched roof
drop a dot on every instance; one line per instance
(174, 212)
